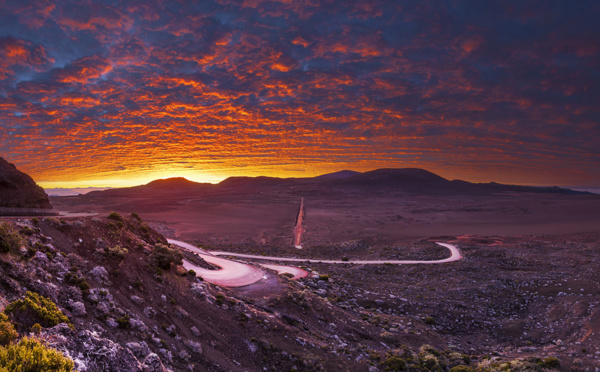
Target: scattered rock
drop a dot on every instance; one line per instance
(91, 352)
(194, 346)
(77, 309)
(149, 312)
(139, 349)
(199, 290)
(137, 300)
(99, 274)
(153, 363)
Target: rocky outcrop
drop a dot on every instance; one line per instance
(18, 190)
(90, 352)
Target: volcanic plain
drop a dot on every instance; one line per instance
(526, 289)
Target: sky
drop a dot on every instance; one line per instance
(109, 93)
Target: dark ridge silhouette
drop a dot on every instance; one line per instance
(19, 190)
(253, 182)
(175, 183)
(163, 186)
(405, 180)
(409, 180)
(494, 187)
(337, 175)
(395, 177)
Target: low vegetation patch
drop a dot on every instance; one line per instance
(115, 216)
(7, 330)
(116, 251)
(10, 239)
(551, 362)
(163, 256)
(30, 355)
(74, 277)
(33, 309)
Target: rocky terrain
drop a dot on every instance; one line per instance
(514, 302)
(18, 190)
(509, 301)
(127, 314)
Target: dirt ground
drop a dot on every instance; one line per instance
(267, 219)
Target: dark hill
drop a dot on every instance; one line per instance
(173, 185)
(176, 183)
(411, 180)
(337, 175)
(18, 190)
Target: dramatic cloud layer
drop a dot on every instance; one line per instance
(92, 91)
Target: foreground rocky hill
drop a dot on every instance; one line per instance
(18, 190)
(128, 306)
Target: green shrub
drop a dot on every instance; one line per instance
(36, 309)
(26, 230)
(74, 278)
(136, 216)
(551, 362)
(115, 216)
(429, 320)
(124, 322)
(30, 355)
(324, 277)
(10, 240)
(394, 363)
(428, 349)
(36, 329)
(461, 369)
(7, 330)
(345, 259)
(163, 256)
(35, 220)
(116, 251)
(388, 337)
(191, 273)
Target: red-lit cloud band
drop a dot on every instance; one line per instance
(98, 94)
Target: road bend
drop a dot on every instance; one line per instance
(231, 273)
(236, 274)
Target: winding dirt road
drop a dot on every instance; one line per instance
(231, 273)
(454, 256)
(236, 274)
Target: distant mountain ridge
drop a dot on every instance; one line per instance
(407, 180)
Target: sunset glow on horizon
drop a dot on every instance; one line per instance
(110, 94)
